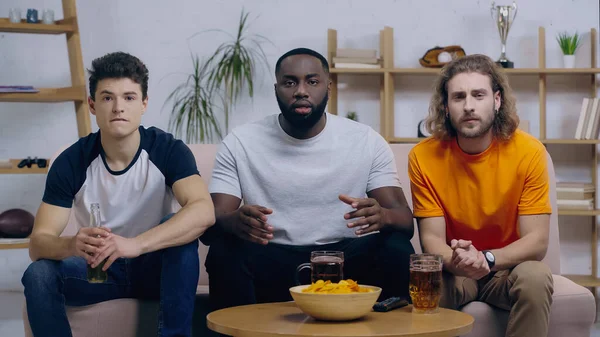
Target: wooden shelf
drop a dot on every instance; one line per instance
(404, 140)
(579, 212)
(513, 71)
(415, 71)
(570, 141)
(545, 141)
(572, 71)
(34, 169)
(14, 245)
(391, 73)
(364, 71)
(69, 94)
(61, 27)
(584, 280)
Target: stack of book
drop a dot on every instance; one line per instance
(356, 58)
(589, 119)
(571, 195)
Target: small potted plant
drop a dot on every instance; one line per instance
(568, 44)
(352, 115)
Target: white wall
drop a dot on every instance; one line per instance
(158, 34)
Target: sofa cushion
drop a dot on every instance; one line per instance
(489, 321)
(572, 303)
(571, 314)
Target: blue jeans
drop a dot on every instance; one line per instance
(169, 275)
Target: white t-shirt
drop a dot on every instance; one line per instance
(132, 200)
(300, 180)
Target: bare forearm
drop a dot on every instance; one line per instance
(528, 248)
(399, 219)
(47, 246)
(186, 225)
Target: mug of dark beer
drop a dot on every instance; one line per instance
(324, 265)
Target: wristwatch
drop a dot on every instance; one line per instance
(490, 258)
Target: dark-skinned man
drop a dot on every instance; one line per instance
(309, 181)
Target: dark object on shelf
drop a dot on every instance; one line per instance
(41, 163)
(422, 130)
(430, 59)
(506, 64)
(32, 16)
(16, 223)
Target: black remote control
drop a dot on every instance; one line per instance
(390, 304)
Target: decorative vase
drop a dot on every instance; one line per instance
(569, 61)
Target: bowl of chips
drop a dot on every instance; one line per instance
(342, 301)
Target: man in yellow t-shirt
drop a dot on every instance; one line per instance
(481, 196)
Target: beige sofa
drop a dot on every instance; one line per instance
(129, 317)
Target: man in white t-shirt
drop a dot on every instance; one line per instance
(309, 180)
(135, 174)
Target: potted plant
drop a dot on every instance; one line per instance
(233, 65)
(568, 44)
(193, 109)
(217, 84)
(352, 115)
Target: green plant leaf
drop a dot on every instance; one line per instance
(217, 83)
(233, 65)
(192, 112)
(568, 44)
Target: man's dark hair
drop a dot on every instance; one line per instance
(302, 51)
(118, 65)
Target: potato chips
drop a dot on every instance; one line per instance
(343, 287)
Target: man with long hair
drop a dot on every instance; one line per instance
(481, 196)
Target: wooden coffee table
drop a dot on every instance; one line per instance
(285, 319)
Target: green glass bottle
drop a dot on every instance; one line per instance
(96, 275)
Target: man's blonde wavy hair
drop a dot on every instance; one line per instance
(506, 120)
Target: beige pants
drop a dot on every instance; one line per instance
(526, 291)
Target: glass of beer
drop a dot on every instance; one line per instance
(324, 265)
(425, 286)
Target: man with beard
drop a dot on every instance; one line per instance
(481, 197)
(309, 181)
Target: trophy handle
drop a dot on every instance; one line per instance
(514, 6)
(492, 7)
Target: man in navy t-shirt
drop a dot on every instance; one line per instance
(139, 177)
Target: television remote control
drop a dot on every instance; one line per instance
(390, 304)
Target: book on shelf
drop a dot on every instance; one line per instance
(587, 204)
(356, 53)
(357, 65)
(363, 60)
(572, 195)
(17, 88)
(575, 195)
(574, 186)
(356, 59)
(588, 123)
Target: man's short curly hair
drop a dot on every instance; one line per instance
(118, 65)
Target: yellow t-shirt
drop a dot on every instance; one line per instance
(480, 196)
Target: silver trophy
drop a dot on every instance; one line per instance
(504, 17)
